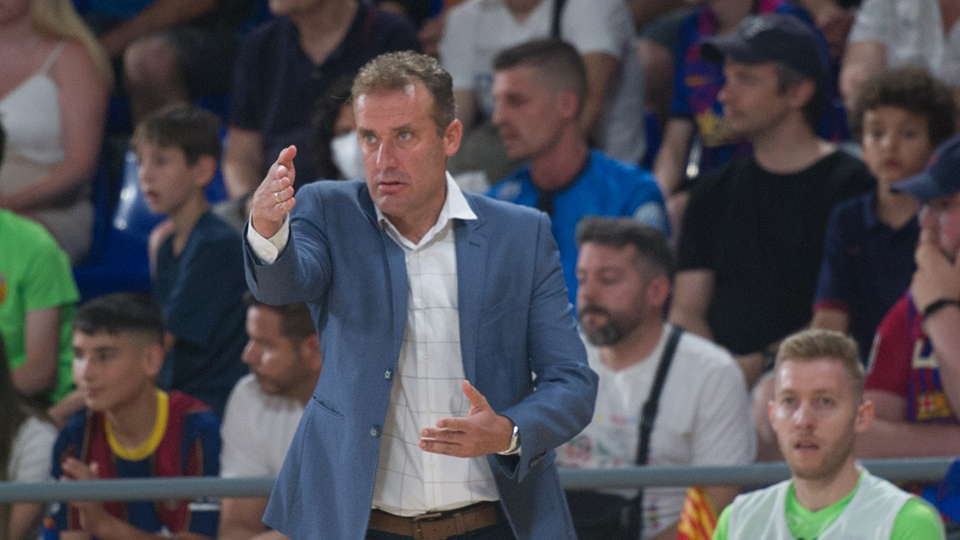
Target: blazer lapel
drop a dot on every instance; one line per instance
(397, 269)
(471, 245)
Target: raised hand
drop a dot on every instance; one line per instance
(936, 276)
(482, 432)
(273, 200)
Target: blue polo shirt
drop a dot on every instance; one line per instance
(276, 86)
(866, 266)
(606, 187)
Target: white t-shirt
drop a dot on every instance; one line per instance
(257, 430)
(32, 451)
(912, 32)
(704, 419)
(477, 30)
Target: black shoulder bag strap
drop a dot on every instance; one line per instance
(647, 416)
(555, 24)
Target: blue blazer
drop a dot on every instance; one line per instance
(515, 320)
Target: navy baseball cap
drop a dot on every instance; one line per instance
(772, 37)
(940, 178)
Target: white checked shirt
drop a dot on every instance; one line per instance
(430, 372)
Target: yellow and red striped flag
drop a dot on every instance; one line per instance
(698, 518)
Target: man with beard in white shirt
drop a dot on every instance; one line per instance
(625, 271)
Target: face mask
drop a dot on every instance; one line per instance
(347, 156)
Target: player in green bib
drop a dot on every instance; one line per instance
(818, 409)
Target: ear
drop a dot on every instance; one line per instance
(771, 406)
(800, 94)
(204, 170)
(658, 290)
(153, 355)
(452, 136)
(865, 414)
(310, 353)
(568, 105)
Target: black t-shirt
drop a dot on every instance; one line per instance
(762, 236)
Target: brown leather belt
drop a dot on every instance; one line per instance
(438, 525)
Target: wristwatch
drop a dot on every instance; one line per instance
(514, 448)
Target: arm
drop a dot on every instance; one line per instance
(937, 277)
(159, 15)
(669, 167)
(602, 68)
(39, 373)
(240, 520)
(83, 95)
(891, 436)
(24, 518)
(693, 290)
(61, 411)
(860, 60)
(242, 161)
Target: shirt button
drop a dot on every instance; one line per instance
(375, 432)
(388, 374)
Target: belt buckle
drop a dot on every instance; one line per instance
(417, 531)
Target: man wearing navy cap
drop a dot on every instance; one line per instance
(751, 242)
(914, 371)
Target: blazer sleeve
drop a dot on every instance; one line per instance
(303, 269)
(565, 386)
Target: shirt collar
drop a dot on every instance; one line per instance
(455, 206)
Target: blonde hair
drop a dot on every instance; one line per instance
(57, 19)
(817, 344)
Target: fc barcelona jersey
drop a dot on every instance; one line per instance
(185, 442)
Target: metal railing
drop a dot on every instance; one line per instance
(897, 470)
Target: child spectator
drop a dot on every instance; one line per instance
(26, 441)
(132, 429)
(199, 278)
(900, 117)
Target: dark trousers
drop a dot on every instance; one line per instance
(500, 531)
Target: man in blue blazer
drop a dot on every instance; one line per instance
(452, 364)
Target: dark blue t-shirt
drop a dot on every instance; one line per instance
(866, 266)
(201, 293)
(276, 86)
(605, 188)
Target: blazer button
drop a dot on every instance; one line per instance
(388, 374)
(375, 432)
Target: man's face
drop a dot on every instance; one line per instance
(166, 179)
(403, 155)
(752, 103)
(940, 218)
(896, 143)
(815, 414)
(611, 295)
(276, 362)
(112, 370)
(530, 117)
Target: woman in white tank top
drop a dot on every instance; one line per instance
(54, 85)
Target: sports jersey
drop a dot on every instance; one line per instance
(903, 362)
(185, 442)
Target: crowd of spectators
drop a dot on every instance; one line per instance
(757, 150)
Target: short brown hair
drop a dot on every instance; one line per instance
(397, 70)
(911, 88)
(653, 249)
(191, 129)
(558, 64)
(816, 344)
(296, 324)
